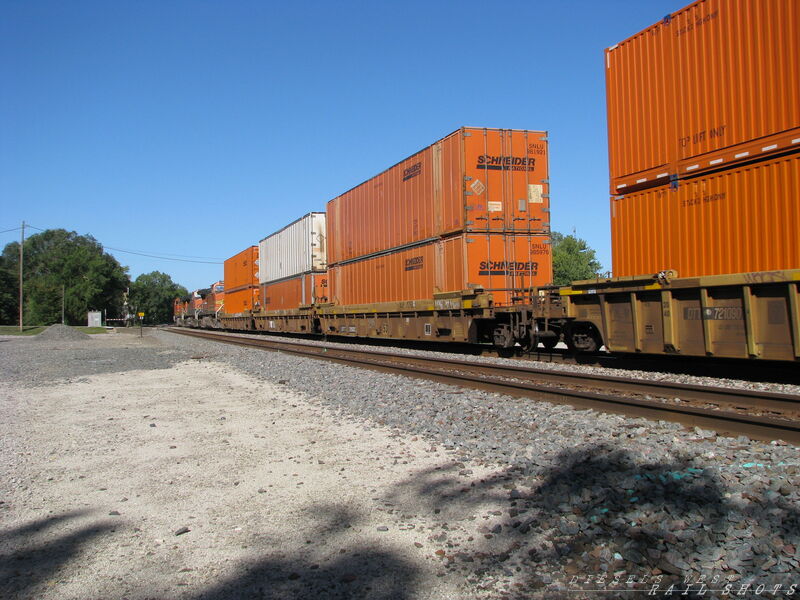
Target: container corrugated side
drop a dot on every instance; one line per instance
(302, 290)
(474, 179)
(242, 300)
(300, 247)
(241, 270)
(734, 221)
(714, 84)
(503, 264)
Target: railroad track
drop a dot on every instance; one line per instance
(756, 414)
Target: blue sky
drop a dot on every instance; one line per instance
(195, 129)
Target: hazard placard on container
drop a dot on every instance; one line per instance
(534, 193)
(478, 187)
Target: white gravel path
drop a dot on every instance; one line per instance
(278, 494)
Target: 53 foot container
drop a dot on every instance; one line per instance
(241, 270)
(712, 85)
(241, 282)
(504, 265)
(734, 221)
(299, 291)
(481, 180)
(300, 247)
(245, 300)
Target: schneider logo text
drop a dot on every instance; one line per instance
(511, 163)
(506, 267)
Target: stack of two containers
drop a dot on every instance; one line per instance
(293, 270)
(704, 141)
(466, 215)
(241, 294)
(285, 272)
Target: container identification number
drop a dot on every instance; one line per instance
(697, 200)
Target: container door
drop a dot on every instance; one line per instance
(506, 187)
(507, 265)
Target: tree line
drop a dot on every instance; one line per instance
(64, 271)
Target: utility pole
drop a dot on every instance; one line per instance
(63, 296)
(21, 254)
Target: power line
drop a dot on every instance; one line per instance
(205, 262)
(162, 256)
(167, 254)
(14, 229)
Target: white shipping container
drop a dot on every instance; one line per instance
(300, 247)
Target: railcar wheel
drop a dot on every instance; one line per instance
(583, 337)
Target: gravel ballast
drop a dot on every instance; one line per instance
(61, 333)
(305, 477)
(785, 388)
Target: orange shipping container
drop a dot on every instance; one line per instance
(499, 263)
(472, 180)
(241, 270)
(734, 221)
(713, 84)
(242, 300)
(302, 290)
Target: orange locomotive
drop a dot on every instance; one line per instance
(201, 308)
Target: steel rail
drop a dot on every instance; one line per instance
(617, 394)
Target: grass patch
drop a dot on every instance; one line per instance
(35, 329)
(92, 330)
(26, 329)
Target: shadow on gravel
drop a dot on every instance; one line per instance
(359, 571)
(602, 515)
(365, 573)
(599, 524)
(27, 562)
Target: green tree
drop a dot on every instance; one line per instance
(153, 294)
(9, 285)
(62, 266)
(573, 259)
